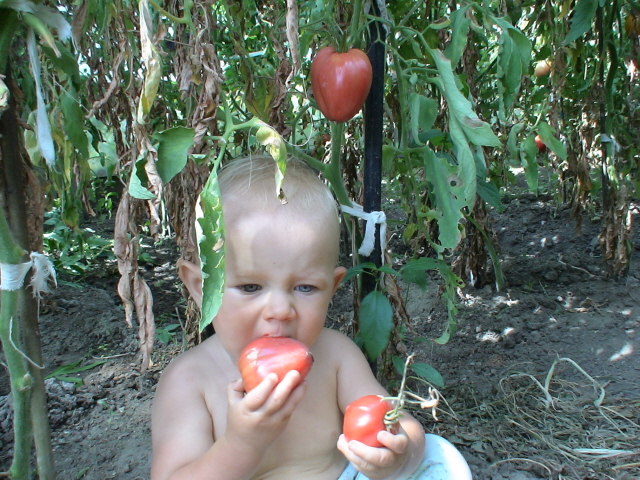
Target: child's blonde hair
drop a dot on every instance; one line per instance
(253, 179)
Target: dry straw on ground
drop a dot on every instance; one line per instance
(560, 427)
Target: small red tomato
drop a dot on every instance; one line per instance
(364, 418)
(277, 355)
(540, 144)
(340, 82)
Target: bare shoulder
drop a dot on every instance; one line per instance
(189, 367)
(354, 374)
(181, 423)
(333, 341)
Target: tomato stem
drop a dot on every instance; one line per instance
(355, 23)
(400, 400)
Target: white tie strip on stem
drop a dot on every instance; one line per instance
(372, 218)
(13, 275)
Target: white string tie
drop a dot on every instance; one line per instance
(372, 219)
(12, 275)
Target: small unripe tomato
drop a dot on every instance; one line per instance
(542, 68)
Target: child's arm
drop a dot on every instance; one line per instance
(182, 427)
(403, 452)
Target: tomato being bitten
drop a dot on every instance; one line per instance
(277, 355)
(364, 418)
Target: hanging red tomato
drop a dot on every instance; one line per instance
(340, 82)
(540, 144)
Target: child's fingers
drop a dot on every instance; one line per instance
(366, 458)
(286, 395)
(257, 397)
(398, 443)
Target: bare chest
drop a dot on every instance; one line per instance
(308, 443)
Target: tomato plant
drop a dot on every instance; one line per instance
(365, 417)
(340, 82)
(277, 355)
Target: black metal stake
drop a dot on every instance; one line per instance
(373, 114)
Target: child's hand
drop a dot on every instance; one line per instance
(377, 463)
(255, 419)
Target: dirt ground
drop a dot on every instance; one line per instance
(542, 378)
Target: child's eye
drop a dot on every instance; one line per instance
(305, 288)
(249, 288)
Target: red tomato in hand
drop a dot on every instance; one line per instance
(340, 82)
(540, 144)
(364, 418)
(277, 355)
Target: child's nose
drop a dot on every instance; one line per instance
(278, 307)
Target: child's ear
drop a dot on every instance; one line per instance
(191, 276)
(338, 275)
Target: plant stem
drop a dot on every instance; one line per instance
(8, 26)
(355, 23)
(10, 253)
(19, 326)
(332, 171)
(186, 18)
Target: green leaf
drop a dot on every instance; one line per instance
(74, 120)
(210, 227)
(138, 181)
(547, 135)
(66, 62)
(582, 19)
(429, 373)
(459, 31)
(490, 194)
(415, 271)
(477, 131)
(423, 113)
(172, 146)
(514, 57)
(62, 371)
(376, 323)
(529, 159)
(512, 142)
(398, 363)
(357, 270)
(452, 192)
(387, 269)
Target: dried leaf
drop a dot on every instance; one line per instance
(152, 63)
(293, 38)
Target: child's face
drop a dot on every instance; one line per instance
(280, 278)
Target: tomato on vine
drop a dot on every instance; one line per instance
(340, 82)
(277, 355)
